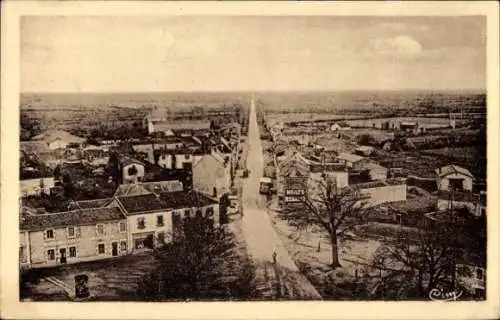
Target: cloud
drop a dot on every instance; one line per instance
(403, 46)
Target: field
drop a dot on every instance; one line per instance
(425, 121)
(89, 110)
(365, 102)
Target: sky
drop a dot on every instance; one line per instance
(224, 53)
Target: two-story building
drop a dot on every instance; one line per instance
(52, 239)
(154, 219)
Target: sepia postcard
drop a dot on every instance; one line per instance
(260, 160)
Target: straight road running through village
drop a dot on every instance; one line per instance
(262, 240)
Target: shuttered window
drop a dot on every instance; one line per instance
(101, 248)
(100, 229)
(71, 232)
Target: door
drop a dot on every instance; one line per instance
(114, 249)
(62, 252)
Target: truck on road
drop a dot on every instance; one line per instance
(266, 185)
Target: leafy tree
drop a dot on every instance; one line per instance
(365, 140)
(335, 210)
(30, 126)
(203, 265)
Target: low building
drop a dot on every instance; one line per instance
(409, 127)
(454, 177)
(364, 151)
(59, 139)
(53, 239)
(378, 192)
(337, 126)
(352, 161)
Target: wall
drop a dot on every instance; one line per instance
(58, 144)
(378, 173)
(209, 173)
(391, 193)
(444, 204)
(32, 186)
(443, 183)
(165, 160)
(133, 178)
(86, 244)
(150, 225)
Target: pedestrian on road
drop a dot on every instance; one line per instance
(274, 257)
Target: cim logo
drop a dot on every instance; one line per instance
(441, 295)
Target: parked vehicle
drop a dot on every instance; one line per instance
(266, 185)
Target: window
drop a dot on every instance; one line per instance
(187, 213)
(123, 227)
(123, 246)
(72, 252)
(101, 249)
(199, 214)
(141, 223)
(71, 232)
(479, 274)
(51, 254)
(100, 229)
(161, 238)
(49, 234)
(159, 221)
(22, 254)
(209, 212)
(186, 157)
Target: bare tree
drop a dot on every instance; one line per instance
(336, 210)
(413, 264)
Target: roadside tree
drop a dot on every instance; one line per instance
(335, 210)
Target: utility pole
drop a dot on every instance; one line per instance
(453, 221)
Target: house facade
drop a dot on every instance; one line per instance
(73, 236)
(212, 175)
(454, 177)
(154, 220)
(132, 170)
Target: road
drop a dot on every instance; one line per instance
(262, 240)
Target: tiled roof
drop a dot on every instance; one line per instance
(34, 147)
(164, 201)
(182, 125)
(124, 160)
(451, 169)
(141, 203)
(130, 190)
(52, 135)
(176, 200)
(88, 204)
(163, 186)
(349, 157)
(70, 218)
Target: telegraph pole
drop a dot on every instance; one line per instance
(453, 221)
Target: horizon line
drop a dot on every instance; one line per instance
(260, 90)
